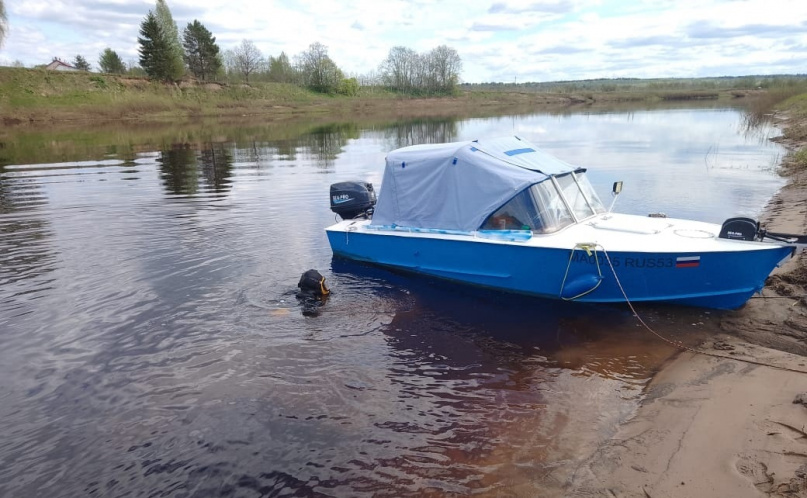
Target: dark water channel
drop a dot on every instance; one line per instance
(152, 344)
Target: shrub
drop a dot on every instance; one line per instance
(99, 82)
(349, 87)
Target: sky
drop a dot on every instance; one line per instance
(497, 40)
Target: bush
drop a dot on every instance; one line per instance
(99, 82)
(349, 87)
(800, 158)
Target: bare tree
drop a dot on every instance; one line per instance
(445, 66)
(437, 71)
(245, 59)
(398, 68)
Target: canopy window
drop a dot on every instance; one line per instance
(545, 208)
(538, 208)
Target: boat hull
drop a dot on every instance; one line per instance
(720, 279)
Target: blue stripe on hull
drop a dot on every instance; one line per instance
(722, 280)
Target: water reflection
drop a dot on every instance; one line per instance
(421, 131)
(325, 143)
(180, 165)
(217, 166)
(25, 252)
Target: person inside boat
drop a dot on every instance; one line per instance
(534, 208)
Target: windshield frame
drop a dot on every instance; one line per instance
(591, 205)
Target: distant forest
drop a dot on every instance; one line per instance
(752, 82)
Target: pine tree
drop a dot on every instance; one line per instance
(154, 51)
(110, 62)
(201, 51)
(171, 36)
(81, 63)
(280, 69)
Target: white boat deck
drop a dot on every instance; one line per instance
(614, 232)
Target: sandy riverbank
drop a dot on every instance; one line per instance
(714, 427)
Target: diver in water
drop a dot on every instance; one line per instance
(312, 293)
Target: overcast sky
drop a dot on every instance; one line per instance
(498, 40)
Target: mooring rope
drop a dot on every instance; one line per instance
(680, 345)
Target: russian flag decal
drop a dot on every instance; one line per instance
(688, 262)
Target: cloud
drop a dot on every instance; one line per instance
(711, 30)
(489, 26)
(548, 7)
(562, 50)
(645, 41)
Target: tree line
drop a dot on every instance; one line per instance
(165, 56)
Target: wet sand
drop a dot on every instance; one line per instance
(719, 427)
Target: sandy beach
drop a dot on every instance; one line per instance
(720, 427)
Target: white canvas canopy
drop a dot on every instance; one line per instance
(456, 186)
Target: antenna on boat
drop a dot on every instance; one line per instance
(615, 191)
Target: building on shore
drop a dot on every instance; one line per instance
(58, 65)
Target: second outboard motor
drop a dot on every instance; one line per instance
(352, 199)
(739, 229)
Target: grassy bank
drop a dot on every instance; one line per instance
(35, 96)
(789, 106)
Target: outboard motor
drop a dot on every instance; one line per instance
(352, 199)
(740, 229)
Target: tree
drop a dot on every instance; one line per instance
(81, 63)
(399, 67)
(201, 51)
(174, 56)
(154, 51)
(280, 69)
(318, 71)
(3, 22)
(445, 66)
(245, 59)
(110, 62)
(437, 71)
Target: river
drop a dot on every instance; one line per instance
(153, 345)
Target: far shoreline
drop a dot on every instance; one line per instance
(35, 98)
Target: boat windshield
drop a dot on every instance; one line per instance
(580, 195)
(588, 191)
(541, 209)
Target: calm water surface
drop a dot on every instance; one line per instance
(153, 346)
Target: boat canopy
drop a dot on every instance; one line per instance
(456, 186)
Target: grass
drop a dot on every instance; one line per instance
(762, 105)
(800, 158)
(38, 96)
(791, 102)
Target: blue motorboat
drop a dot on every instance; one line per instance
(503, 214)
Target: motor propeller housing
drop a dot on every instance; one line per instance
(352, 199)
